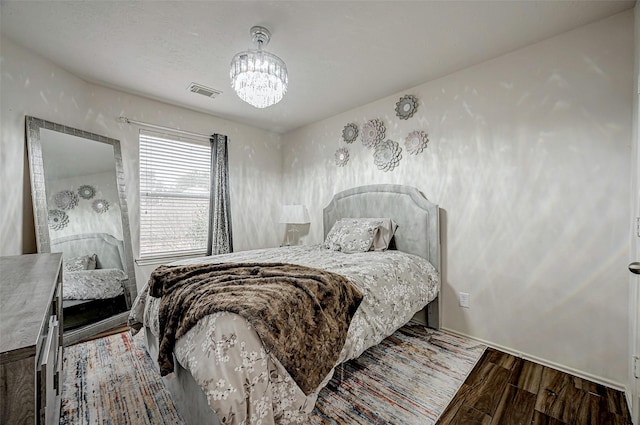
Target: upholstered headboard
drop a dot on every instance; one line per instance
(110, 251)
(417, 218)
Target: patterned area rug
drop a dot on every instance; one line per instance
(408, 379)
(113, 381)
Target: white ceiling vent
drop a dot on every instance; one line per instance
(205, 91)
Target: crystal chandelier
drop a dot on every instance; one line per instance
(259, 77)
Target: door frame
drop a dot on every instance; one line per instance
(633, 392)
(633, 387)
(634, 280)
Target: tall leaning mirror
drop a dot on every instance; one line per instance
(80, 210)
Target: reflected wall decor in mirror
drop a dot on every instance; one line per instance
(80, 210)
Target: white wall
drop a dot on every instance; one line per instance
(529, 159)
(34, 86)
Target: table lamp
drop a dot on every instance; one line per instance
(292, 216)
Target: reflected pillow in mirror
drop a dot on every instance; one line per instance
(83, 262)
(351, 235)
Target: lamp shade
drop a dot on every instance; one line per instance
(294, 214)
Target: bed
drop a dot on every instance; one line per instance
(94, 278)
(223, 374)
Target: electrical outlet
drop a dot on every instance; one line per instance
(464, 299)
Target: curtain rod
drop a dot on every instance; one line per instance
(160, 127)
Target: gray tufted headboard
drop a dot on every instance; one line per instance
(110, 251)
(417, 218)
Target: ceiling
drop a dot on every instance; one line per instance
(340, 54)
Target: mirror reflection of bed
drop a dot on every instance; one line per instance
(94, 278)
(80, 209)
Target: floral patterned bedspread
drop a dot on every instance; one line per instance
(243, 384)
(95, 284)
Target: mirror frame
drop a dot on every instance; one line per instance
(39, 198)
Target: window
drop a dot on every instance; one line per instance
(174, 195)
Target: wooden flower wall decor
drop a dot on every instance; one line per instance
(350, 133)
(342, 157)
(100, 206)
(86, 191)
(387, 155)
(416, 142)
(373, 132)
(406, 107)
(58, 219)
(66, 200)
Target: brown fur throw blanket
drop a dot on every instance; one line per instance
(301, 314)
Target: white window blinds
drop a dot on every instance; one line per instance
(174, 195)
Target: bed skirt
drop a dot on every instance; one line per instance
(187, 395)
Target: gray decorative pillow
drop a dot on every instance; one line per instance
(351, 235)
(84, 262)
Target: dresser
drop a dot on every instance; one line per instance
(31, 345)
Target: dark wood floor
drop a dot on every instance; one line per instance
(506, 390)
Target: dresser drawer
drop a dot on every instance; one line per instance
(48, 375)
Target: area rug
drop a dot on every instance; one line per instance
(113, 381)
(408, 379)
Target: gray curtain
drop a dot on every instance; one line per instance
(220, 240)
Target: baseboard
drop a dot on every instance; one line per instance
(544, 362)
(628, 397)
